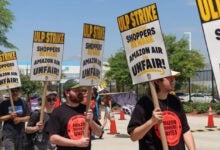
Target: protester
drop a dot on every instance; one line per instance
(67, 122)
(143, 125)
(97, 99)
(38, 139)
(92, 106)
(107, 102)
(1, 145)
(97, 110)
(14, 122)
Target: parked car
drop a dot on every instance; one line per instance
(182, 96)
(198, 97)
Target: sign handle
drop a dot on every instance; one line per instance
(160, 124)
(11, 100)
(87, 108)
(43, 101)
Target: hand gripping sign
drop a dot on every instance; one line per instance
(91, 60)
(145, 50)
(9, 73)
(47, 54)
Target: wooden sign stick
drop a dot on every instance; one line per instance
(43, 101)
(11, 100)
(160, 124)
(87, 108)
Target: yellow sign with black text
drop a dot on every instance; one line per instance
(210, 20)
(47, 56)
(144, 46)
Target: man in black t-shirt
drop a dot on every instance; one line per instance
(143, 125)
(14, 122)
(66, 125)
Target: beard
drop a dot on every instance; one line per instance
(76, 98)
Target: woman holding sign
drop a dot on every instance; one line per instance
(38, 139)
(143, 125)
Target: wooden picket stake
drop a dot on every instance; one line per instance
(87, 108)
(11, 100)
(43, 101)
(160, 124)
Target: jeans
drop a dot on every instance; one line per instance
(15, 143)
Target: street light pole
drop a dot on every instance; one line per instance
(189, 38)
(190, 48)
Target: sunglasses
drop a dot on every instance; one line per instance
(14, 90)
(51, 99)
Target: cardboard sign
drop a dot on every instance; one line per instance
(9, 72)
(143, 42)
(210, 20)
(92, 55)
(47, 56)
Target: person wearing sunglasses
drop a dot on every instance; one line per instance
(143, 125)
(14, 121)
(67, 122)
(38, 139)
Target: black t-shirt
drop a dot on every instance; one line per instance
(174, 121)
(68, 122)
(10, 129)
(33, 138)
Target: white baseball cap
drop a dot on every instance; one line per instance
(175, 73)
(51, 92)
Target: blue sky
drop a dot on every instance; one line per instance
(68, 16)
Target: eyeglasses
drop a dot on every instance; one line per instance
(51, 99)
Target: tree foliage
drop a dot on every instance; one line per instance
(119, 71)
(29, 87)
(179, 56)
(182, 59)
(6, 19)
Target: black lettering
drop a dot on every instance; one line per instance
(217, 33)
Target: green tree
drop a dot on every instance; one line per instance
(119, 71)
(29, 87)
(182, 59)
(6, 19)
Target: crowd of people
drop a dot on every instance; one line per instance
(62, 127)
(73, 125)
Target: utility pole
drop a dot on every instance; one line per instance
(190, 48)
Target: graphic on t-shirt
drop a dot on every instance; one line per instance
(172, 127)
(18, 109)
(76, 127)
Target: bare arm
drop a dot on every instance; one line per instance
(32, 129)
(96, 129)
(5, 117)
(110, 103)
(12, 115)
(189, 140)
(21, 119)
(139, 132)
(62, 141)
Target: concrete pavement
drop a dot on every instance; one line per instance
(204, 138)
